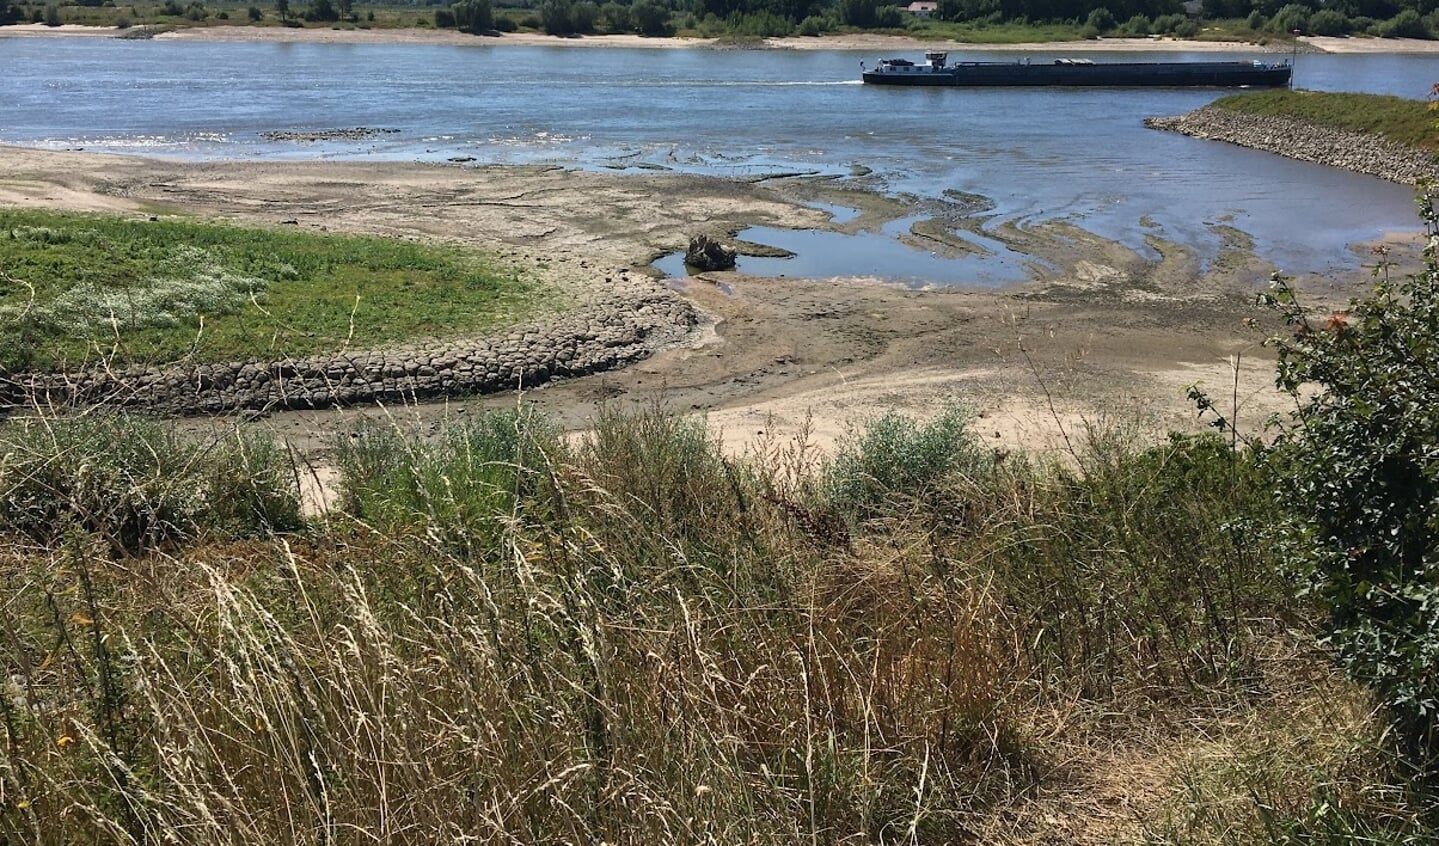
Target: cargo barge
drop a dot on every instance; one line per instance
(1078, 72)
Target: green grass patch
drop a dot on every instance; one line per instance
(74, 287)
(1397, 119)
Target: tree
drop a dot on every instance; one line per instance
(9, 12)
(616, 16)
(282, 8)
(555, 17)
(322, 10)
(473, 16)
(650, 18)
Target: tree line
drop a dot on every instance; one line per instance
(774, 18)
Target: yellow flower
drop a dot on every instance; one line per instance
(64, 740)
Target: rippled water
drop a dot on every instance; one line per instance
(1037, 153)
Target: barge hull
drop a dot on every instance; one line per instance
(1109, 74)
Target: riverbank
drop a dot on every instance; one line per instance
(860, 42)
(1307, 141)
(1108, 334)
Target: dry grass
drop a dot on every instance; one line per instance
(508, 637)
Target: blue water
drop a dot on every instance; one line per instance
(1039, 154)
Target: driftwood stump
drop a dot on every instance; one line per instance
(705, 253)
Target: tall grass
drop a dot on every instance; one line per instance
(626, 637)
(135, 483)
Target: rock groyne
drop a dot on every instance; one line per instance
(629, 320)
(1299, 139)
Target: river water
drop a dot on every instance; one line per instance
(1038, 154)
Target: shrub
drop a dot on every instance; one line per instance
(1168, 23)
(1186, 28)
(444, 18)
(1364, 485)
(1329, 22)
(1290, 18)
(1100, 20)
(52, 15)
(616, 17)
(122, 22)
(1406, 24)
(894, 457)
(651, 18)
(1256, 20)
(472, 16)
(506, 24)
(1137, 26)
(583, 16)
(814, 25)
(556, 17)
(255, 14)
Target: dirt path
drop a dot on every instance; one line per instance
(1109, 338)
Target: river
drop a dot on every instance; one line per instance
(1037, 154)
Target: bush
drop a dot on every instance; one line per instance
(583, 16)
(504, 24)
(1290, 18)
(1406, 24)
(1100, 20)
(1167, 24)
(1256, 20)
(472, 16)
(616, 17)
(52, 15)
(1329, 22)
(651, 18)
(444, 18)
(1186, 28)
(1363, 485)
(815, 25)
(255, 14)
(1137, 26)
(895, 457)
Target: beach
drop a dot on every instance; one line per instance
(860, 42)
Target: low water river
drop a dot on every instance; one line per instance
(1038, 154)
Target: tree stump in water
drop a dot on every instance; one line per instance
(705, 253)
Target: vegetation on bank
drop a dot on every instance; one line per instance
(1403, 121)
(630, 636)
(981, 21)
(78, 288)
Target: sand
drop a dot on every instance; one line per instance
(1108, 339)
(883, 44)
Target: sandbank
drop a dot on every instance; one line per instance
(869, 42)
(1106, 335)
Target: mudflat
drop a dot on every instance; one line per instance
(1100, 336)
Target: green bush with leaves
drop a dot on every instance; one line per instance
(895, 457)
(1362, 481)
